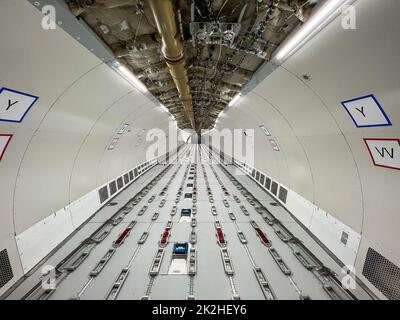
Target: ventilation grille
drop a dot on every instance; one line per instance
(103, 194)
(6, 273)
(282, 194)
(344, 238)
(262, 179)
(274, 188)
(383, 274)
(113, 187)
(126, 178)
(268, 183)
(120, 183)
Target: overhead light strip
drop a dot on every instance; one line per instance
(323, 15)
(129, 76)
(234, 100)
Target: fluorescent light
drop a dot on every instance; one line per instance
(164, 108)
(233, 101)
(309, 27)
(128, 75)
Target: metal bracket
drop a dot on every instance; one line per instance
(102, 263)
(192, 262)
(244, 210)
(241, 237)
(226, 260)
(117, 285)
(77, 257)
(143, 237)
(102, 233)
(264, 284)
(156, 264)
(279, 261)
(232, 216)
(142, 211)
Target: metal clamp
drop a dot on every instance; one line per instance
(264, 284)
(244, 210)
(76, 259)
(155, 216)
(117, 285)
(279, 261)
(142, 211)
(102, 263)
(335, 291)
(193, 237)
(143, 237)
(173, 211)
(102, 233)
(226, 260)
(192, 262)
(303, 257)
(118, 218)
(282, 233)
(241, 237)
(156, 264)
(232, 216)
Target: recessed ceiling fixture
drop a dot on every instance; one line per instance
(309, 29)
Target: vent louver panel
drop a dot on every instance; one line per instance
(283, 194)
(267, 183)
(383, 274)
(113, 187)
(103, 194)
(274, 188)
(6, 273)
(126, 178)
(120, 183)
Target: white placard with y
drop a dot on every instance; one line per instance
(366, 112)
(14, 105)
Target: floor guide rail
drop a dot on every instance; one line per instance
(191, 230)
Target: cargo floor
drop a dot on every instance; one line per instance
(134, 259)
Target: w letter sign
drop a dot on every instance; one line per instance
(384, 152)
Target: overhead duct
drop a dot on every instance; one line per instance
(172, 50)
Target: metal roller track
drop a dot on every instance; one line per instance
(227, 255)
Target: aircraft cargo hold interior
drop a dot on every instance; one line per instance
(199, 150)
